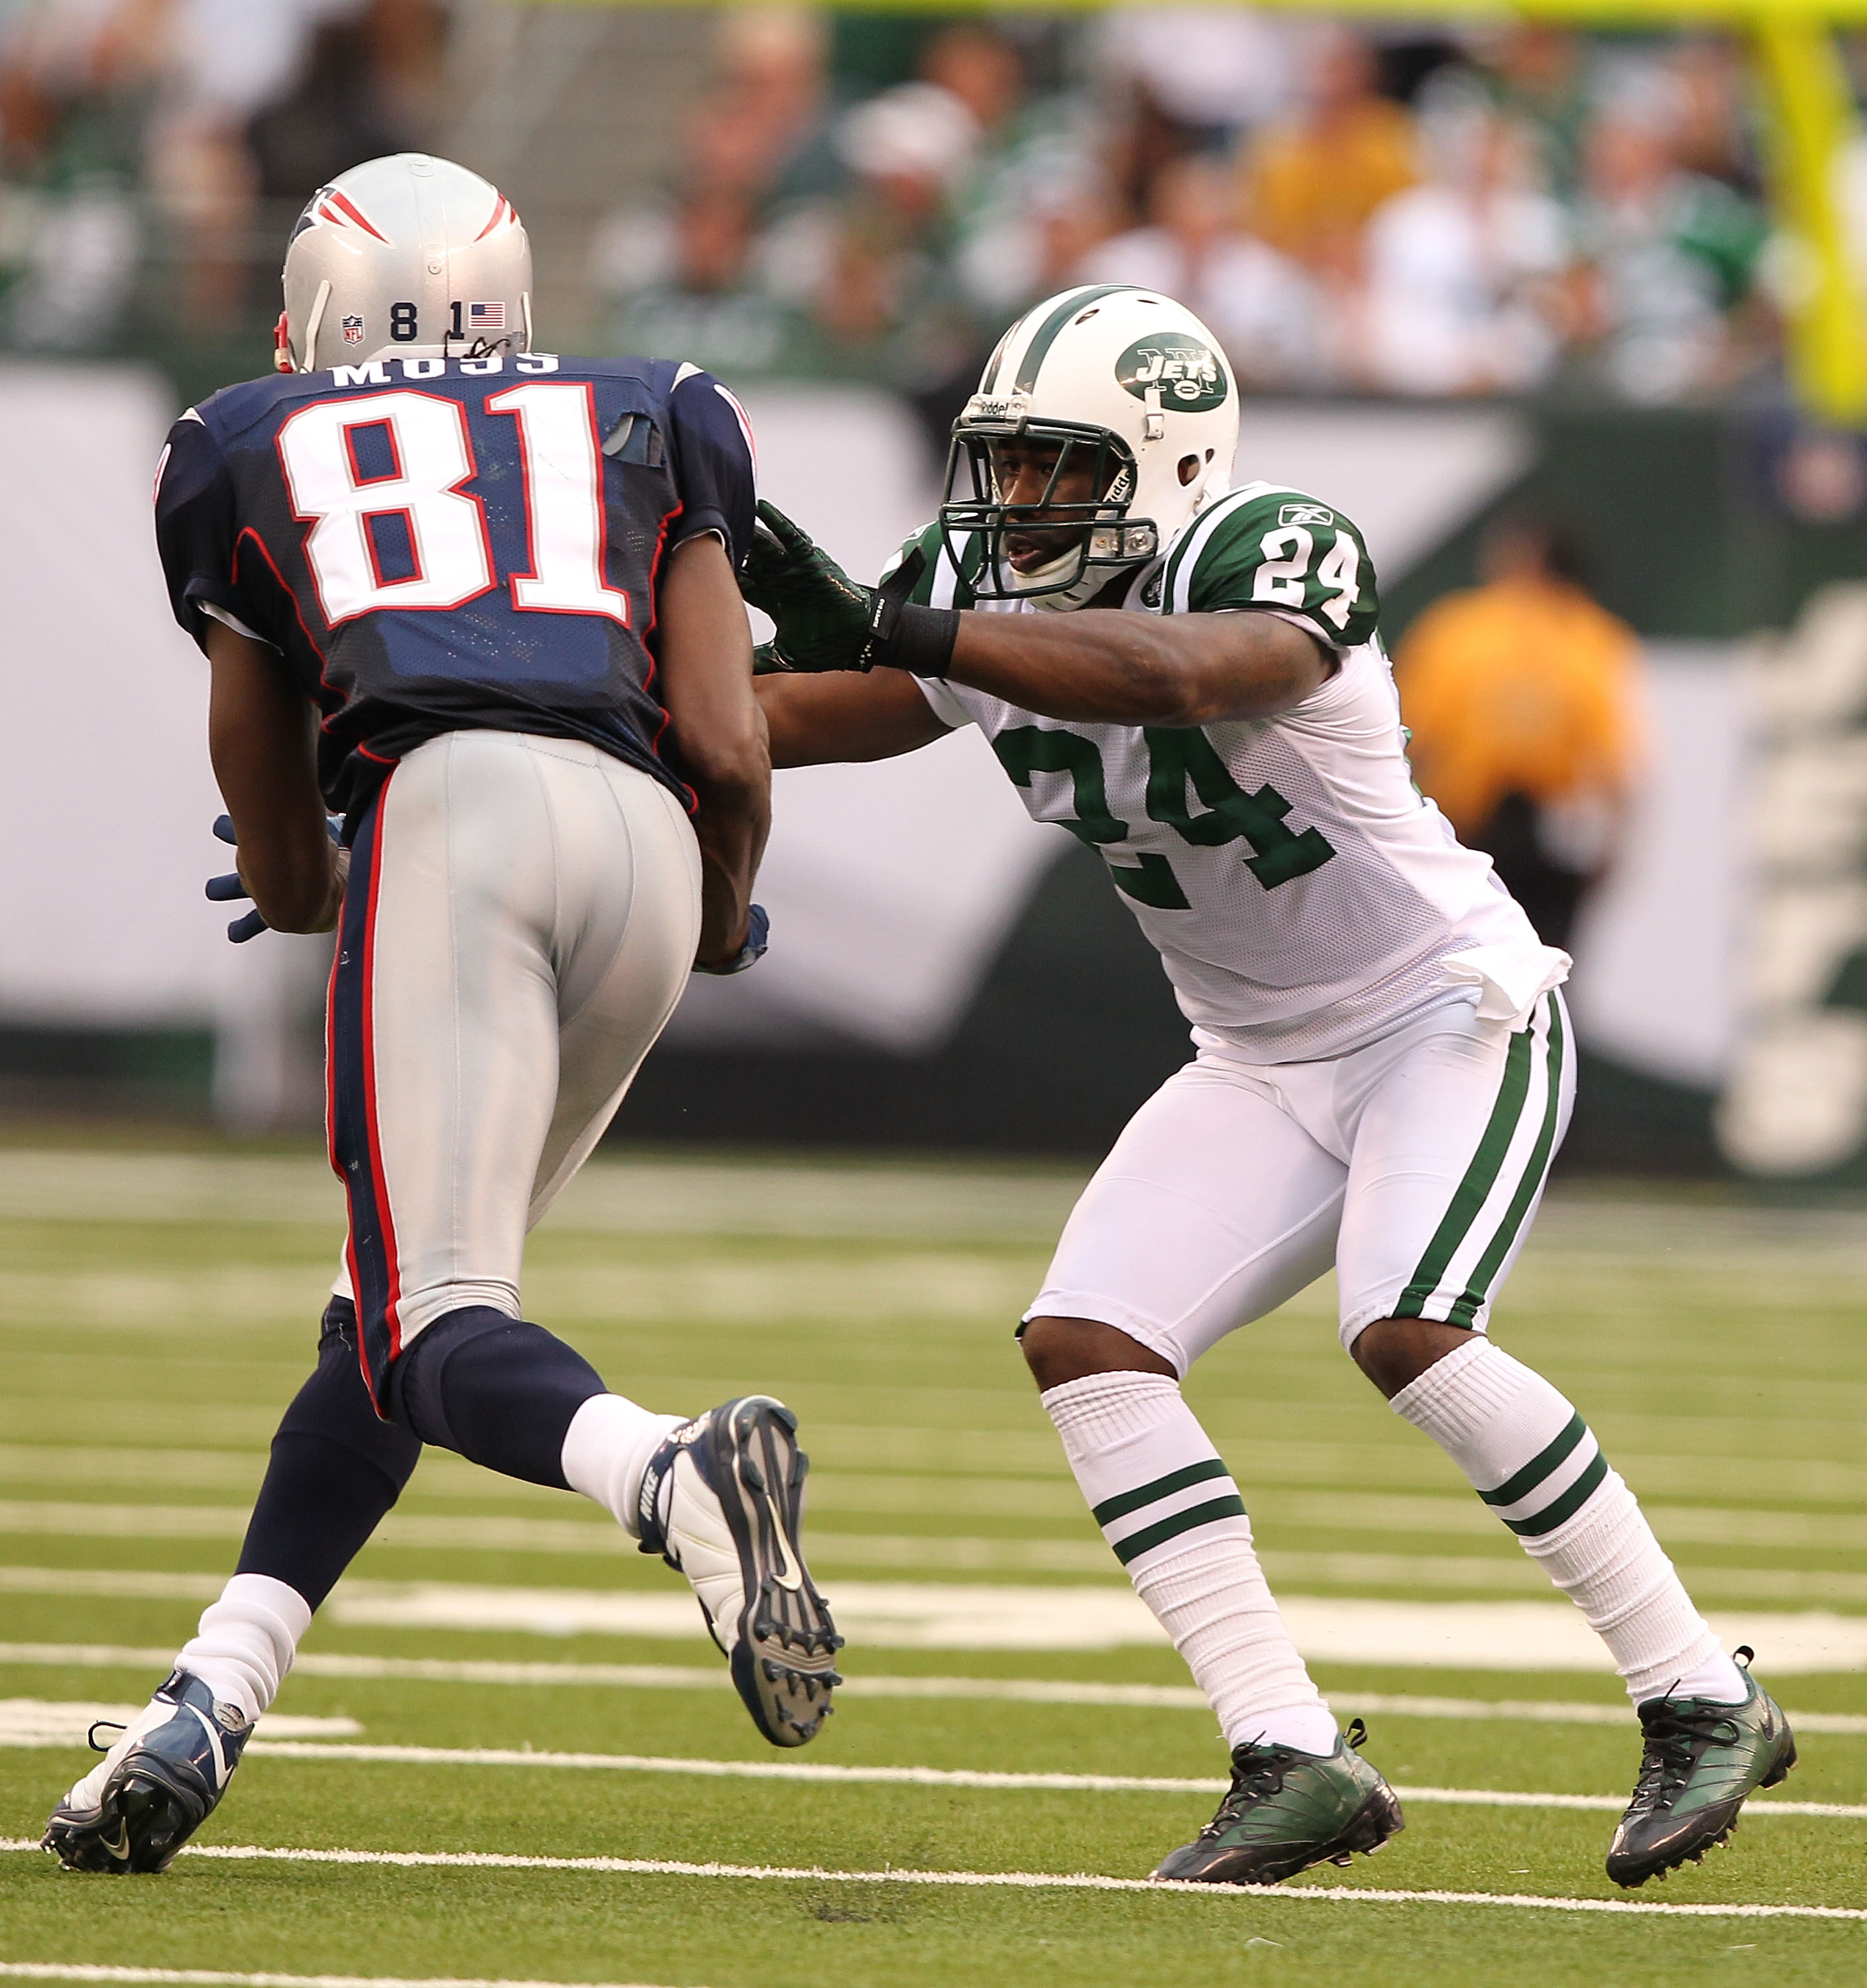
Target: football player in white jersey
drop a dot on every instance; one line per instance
(1188, 678)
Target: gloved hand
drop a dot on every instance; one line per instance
(227, 889)
(757, 937)
(822, 615)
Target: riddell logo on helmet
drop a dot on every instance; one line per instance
(1186, 375)
(352, 329)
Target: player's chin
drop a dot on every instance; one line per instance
(1028, 553)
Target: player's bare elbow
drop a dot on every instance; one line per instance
(730, 770)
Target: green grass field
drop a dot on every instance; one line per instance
(160, 1310)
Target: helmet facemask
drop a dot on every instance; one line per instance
(1046, 501)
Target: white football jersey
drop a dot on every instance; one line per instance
(1303, 896)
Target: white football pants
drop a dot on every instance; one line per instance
(1414, 1166)
(520, 920)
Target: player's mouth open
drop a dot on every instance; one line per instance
(1027, 551)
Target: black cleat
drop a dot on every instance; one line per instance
(156, 1785)
(1700, 1760)
(720, 1500)
(1286, 1810)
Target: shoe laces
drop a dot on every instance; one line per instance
(1675, 1737)
(1258, 1772)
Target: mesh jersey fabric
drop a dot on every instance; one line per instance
(1304, 898)
(437, 545)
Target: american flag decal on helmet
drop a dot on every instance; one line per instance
(486, 317)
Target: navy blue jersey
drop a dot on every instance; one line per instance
(447, 544)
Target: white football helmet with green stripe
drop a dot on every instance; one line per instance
(1106, 418)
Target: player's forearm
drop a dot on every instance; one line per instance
(841, 716)
(1113, 666)
(731, 828)
(260, 738)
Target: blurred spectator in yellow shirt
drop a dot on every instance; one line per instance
(1309, 185)
(1522, 697)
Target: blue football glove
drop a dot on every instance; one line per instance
(227, 890)
(757, 937)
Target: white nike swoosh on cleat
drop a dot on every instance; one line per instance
(121, 1846)
(791, 1575)
(221, 1770)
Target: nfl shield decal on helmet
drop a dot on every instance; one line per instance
(353, 329)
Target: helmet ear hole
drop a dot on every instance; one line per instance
(1191, 465)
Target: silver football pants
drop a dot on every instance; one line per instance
(520, 920)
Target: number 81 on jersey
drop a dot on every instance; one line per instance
(379, 481)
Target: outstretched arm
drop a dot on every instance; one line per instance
(819, 720)
(1115, 668)
(705, 657)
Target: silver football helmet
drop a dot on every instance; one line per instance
(407, 257)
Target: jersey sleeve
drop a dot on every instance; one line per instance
(195, 529)
(926, 542)
(714, 468)
(1282, 551)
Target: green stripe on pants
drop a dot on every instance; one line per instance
(1479, 1286)
(1480, 1177)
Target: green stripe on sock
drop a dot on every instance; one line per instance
(1480, 1177)
(1125, 1502)
(1532, 1473)
(1137, 1543)
(1479, 1286)
(1571, 1501)
(1039, 349)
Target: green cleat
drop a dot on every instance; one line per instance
(1286, 1810)
(1701, 1759)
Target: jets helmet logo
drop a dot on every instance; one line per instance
(1186, 374)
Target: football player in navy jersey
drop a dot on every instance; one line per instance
(480, 602)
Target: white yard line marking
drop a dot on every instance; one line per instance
(39, 1722)
(1016, 1690)
(926, 1777)
(203, 1977)
(960, 1553)
(1025, 1880)
(1540, 1635)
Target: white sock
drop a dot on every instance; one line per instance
(1530, 1457)
(247, 1640)
(606, 1448)
(1170, 1508)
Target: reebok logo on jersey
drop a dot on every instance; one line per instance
(1305, 514)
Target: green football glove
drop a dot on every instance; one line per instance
(822, 615)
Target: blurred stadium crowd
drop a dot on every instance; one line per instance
(1499, 212)
(1514, 209)
(155, 152)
